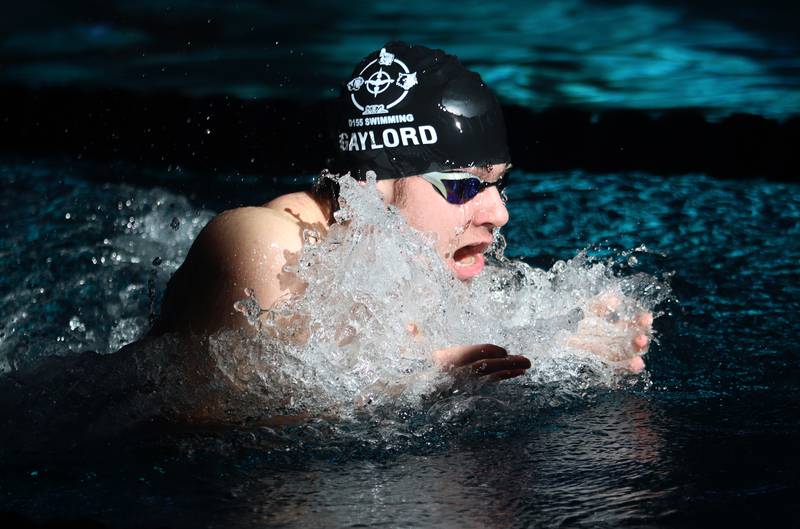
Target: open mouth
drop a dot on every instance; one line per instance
(468, 260)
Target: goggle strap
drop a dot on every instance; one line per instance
(435, 182)
(450, 176)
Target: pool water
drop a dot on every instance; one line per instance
(707, 436)
(594, 54)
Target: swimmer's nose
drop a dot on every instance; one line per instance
(490, 209)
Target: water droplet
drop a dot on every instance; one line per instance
(75, 324)
(310, 236)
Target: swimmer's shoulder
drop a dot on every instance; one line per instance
(240, 248)
(279, 223)
(301, 209)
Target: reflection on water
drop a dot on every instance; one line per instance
(600, 54)
(615, 460)
(602, 464)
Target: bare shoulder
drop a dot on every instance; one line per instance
(241, 234)
(242, 248)
(302, 208)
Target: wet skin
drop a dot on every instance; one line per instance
(248, 248)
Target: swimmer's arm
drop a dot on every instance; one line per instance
(239, 249)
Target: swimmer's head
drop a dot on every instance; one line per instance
(408, 110)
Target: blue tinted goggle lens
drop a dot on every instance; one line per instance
(459, 188)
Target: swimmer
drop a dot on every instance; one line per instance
(433, 135)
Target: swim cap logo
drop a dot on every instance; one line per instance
(385, 82)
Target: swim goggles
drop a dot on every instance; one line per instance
(460, 187)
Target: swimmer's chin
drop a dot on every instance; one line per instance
(468, 267)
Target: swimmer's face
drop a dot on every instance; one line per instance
(463, 232)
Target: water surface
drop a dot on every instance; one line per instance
(596, 54)
(706, 437)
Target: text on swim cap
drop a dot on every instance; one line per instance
(389, 137)
(380, 120)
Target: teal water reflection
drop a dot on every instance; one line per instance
(555, 52)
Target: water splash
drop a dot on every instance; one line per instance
(78, 260)
(379, 301)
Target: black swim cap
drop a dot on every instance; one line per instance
(409, 110)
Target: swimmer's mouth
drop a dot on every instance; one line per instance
(466, 255)
(468, 260)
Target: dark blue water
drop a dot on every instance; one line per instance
(710, 440)
(720, 57)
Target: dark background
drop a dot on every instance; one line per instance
(665, 87)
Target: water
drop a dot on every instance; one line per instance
(705, 436)
(598, 54)
(81, 259)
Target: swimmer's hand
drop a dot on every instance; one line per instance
(482, 360)
(618, 339)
